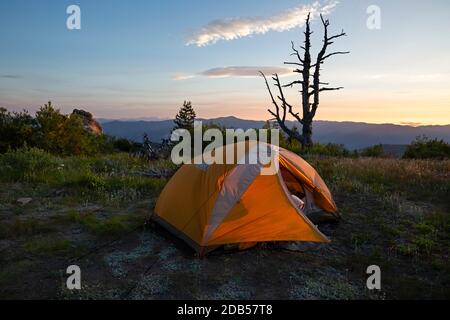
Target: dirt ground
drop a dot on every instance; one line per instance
(149, 263)
(123, 256)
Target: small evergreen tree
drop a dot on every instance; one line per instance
(185, 117)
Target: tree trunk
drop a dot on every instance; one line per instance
(307, 134)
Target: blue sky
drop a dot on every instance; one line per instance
(131, 59)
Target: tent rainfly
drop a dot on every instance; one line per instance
(218, 204)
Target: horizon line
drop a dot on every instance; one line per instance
(401, 124)
(162, 118)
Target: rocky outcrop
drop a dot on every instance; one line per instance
(90, 124)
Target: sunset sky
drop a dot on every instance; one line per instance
(135, 59)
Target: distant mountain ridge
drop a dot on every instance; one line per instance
(354, 135)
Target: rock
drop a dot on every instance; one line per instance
(77, 231)
(59, 192)
(320, 216)
(300, 246)
(24, 201)
(90, 124)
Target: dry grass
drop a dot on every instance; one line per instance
(395, 214)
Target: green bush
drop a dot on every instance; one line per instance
(329, 149)
(17, 129)
(28, 164)
(65, 135)
(123, 145)
(375, 151)
(59, 134)
(426, 148)
(111, 178)
(290, 144)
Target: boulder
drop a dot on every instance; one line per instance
(90, 124)
(24, 201)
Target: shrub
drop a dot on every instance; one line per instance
(123, 144)
(59, 134)
(16, 129)
(290, 144)
(426, 148)
(329, 149)
(65, 135)
(375, 151)
(28, 164)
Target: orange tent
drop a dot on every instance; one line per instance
(217, 204)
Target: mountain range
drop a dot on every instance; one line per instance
(353, 135)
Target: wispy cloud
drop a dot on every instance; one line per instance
(235, 28)
(234, 71)
(10, 76)
(182, 76)
(243, 71)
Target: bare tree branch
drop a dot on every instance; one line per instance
(330, 89)
(277, 115)
(309, 81)
(292, 83)
(306, 69)
(285, 106)
(281, 120)
(285, 103)
(342, 34)
(294, 63)
(321, 57)
(296, 52)
(334, 53)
